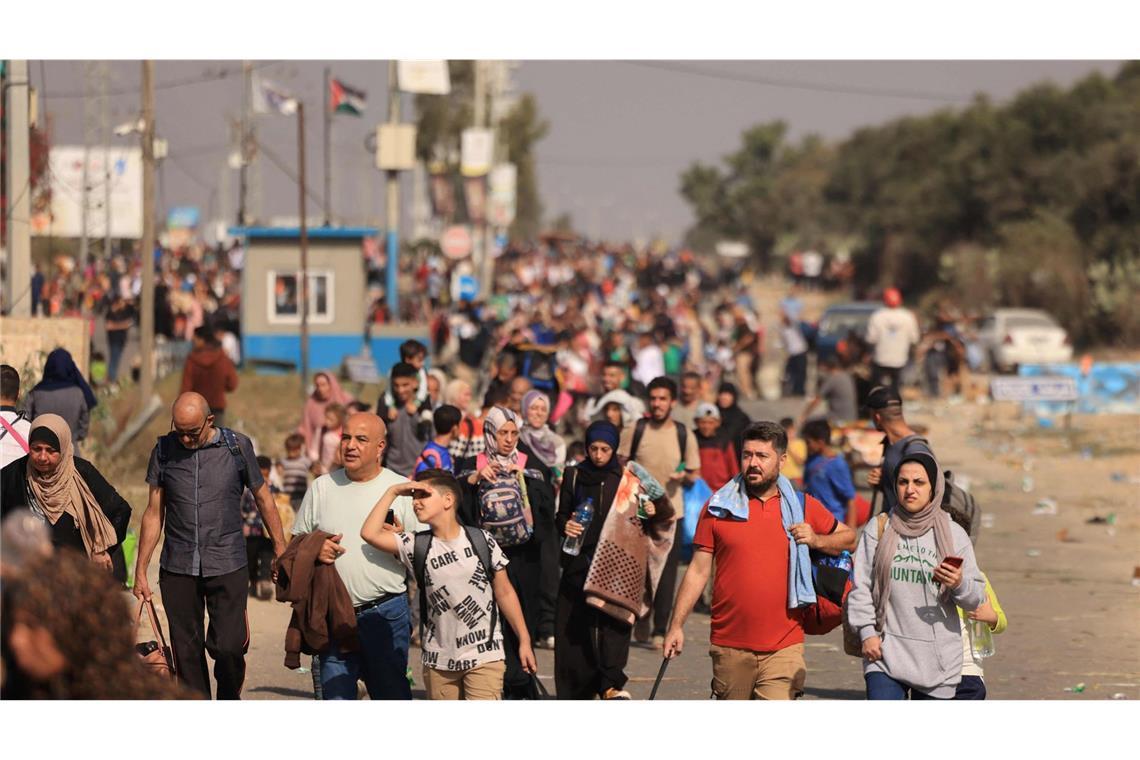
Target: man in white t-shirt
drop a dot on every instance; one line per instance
(649, 359)
(465, 587)
(14, 426)
(893, 331)
(338, 503)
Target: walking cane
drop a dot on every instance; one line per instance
(660, 675)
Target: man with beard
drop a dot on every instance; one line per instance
(756, 641)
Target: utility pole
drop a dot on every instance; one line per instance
(393, 198)
(328, 152)
(246, 91)
(146, 308)
(85, 191)
(303, 285)
(483, 250)
(17, 288)
(105, 116)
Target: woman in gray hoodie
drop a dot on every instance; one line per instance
(908, 582)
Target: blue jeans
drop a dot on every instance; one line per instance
(971, 687)
(882, 686)
(382, 662)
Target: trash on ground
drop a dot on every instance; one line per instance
(1045, 507)
(1118, 477)
(1086, 453)
(1063, 536)
(1036, 553)
(1098, 520)
(1027, 484)
(987, 521)
(1075, 689)
(1136, 576)
(1119, 695)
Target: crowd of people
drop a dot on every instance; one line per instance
(533, 478)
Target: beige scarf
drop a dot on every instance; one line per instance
(64, 490)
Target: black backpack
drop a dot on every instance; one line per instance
(639, 432)
(228, 438)
(420, 551)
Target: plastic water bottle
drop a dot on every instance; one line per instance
(981, 639)
(583, 515)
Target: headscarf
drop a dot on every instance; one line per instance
(313, 416)
(542, 440)
(733, 419)
(606, 432)
(60, 372)
(440, 378)
(64, 490)
(493, 420)
(909, 525)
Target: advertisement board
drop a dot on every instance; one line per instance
(65, 218)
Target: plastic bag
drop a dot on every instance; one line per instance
(695, 496)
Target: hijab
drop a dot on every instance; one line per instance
(64, 490)
(733, 419)
(606, 432)
(542, 440)
(60, 372)
(313, 417)
(909, 525)
(493, 421)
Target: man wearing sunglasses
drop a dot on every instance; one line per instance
(197, 475)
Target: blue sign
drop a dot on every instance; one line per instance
(468, 288)
(182, 218)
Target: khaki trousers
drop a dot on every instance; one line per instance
(481, 682)
(743, 674)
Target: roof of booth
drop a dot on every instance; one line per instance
(317, 233)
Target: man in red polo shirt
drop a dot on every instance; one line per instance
(757, 642)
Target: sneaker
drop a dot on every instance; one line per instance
(545, 642)
(612, 693)
(265, 590)
(658, 642)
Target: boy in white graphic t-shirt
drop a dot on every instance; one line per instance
(462, 644)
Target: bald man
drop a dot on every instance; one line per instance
(197, 475)
(337, 504)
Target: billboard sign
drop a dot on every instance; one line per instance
(124, 173)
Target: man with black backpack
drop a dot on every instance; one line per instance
(669, 451)
(197, 475)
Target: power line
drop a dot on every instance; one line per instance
(794, 84)
(185, 81)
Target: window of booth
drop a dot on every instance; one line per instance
(284, 297)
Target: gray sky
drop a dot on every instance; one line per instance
(620, 132)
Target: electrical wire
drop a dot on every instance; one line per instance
(795, 84)
(184, 82)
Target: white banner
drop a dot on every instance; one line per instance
(502, 195)
(477, 151)
(423, 77)
(65, 218)
(1034, 389)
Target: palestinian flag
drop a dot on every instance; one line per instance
(344, 99)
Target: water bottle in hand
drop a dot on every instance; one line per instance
(583, 515)
(981, 639)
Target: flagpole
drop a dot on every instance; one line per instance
(303, 289)
(328, 163)
(393, 199)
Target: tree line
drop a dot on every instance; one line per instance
(1032, 203)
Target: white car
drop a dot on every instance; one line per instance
(1023, 336)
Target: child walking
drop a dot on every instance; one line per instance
(460, 595)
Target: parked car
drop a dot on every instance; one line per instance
(1011, 337)
(841, 320)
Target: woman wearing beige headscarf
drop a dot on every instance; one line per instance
(83, 510)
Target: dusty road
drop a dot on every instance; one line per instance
(1065, 583)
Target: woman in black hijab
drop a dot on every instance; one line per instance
(733, 420)
(590, 647)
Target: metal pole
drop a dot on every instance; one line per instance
(303, 285)
(247, 85)
(482, 248)
(146, 307)
(328, 152)
(106, 117)
(17, 288)
(393, 197)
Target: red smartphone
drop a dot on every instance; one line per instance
(953, 561)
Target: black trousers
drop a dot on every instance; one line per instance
(186, 598)
(666, 588)
(795, 375)
(259, 554)
(550, 548)
(888, 376)
(524, 570)
(591, 649)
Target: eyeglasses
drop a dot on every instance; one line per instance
(192, 435)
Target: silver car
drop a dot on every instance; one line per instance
(1011, 337)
